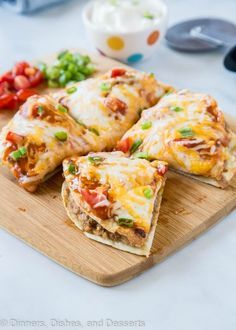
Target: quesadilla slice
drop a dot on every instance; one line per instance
(38, 138)
(189, 132)
(114, 199)
(110, 104)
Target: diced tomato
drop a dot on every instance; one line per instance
(123, 145)
(21, 82)
(19, 68)
(23, 94)
(36, 79)
(30, 71)
(93, 197)
(162, 169)
(14, 138)
(4, 88)
(7, 101)
(115, 105)
(15, 85)
(7, 77)
(117, 72)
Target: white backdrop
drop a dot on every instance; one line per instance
(192, 290)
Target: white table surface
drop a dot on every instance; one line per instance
(193, 289)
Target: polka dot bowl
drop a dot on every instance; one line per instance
(128, 47)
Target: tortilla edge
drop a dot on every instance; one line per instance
(144, 251)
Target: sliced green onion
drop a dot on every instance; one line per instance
(146, 125)
(71, 90)
(148, 15)
(53, 84)
(93, 130)
(61, 108)
(40, 110)
(125, 222)
(72, 168)
(105, 87)
(148, 193)
(23, 151)
(176, 109)
(61, 136)
(15, 155)
(135, 145)
(95, 159)
(186, 132)
(53, 73)
(69, 67)
(62, 54)
(142, 155)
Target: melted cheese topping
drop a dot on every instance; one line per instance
(127, 180)
(90, 124)
(189, 132)
(39, 132)
(88, 105)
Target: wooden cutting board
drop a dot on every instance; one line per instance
(188, 209)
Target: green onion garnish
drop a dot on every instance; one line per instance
(146, 125)
(95, 159)
(72, 168)
(176, 109)
(142, 155)
(135, 145)
(61, 108)
(105, 87)
(148, 15)
(15, 155)
(40, 110)
(125, 222)
(148, 193)
(61, 136)
(93, 130)
(53, 84)
(71, 90)
(69, 67)
(186, 132)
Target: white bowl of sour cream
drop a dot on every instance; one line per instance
(127, 30)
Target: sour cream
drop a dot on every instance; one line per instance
(126, 15)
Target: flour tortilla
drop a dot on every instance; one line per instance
(144, 251)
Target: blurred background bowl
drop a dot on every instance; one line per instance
(128, 47)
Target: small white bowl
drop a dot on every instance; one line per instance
(128, 47)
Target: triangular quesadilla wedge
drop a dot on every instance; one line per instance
(114, 199)
(110, 104)
(189, 132)
(37, 139)
(90, 116)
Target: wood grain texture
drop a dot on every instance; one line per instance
(188, 209)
